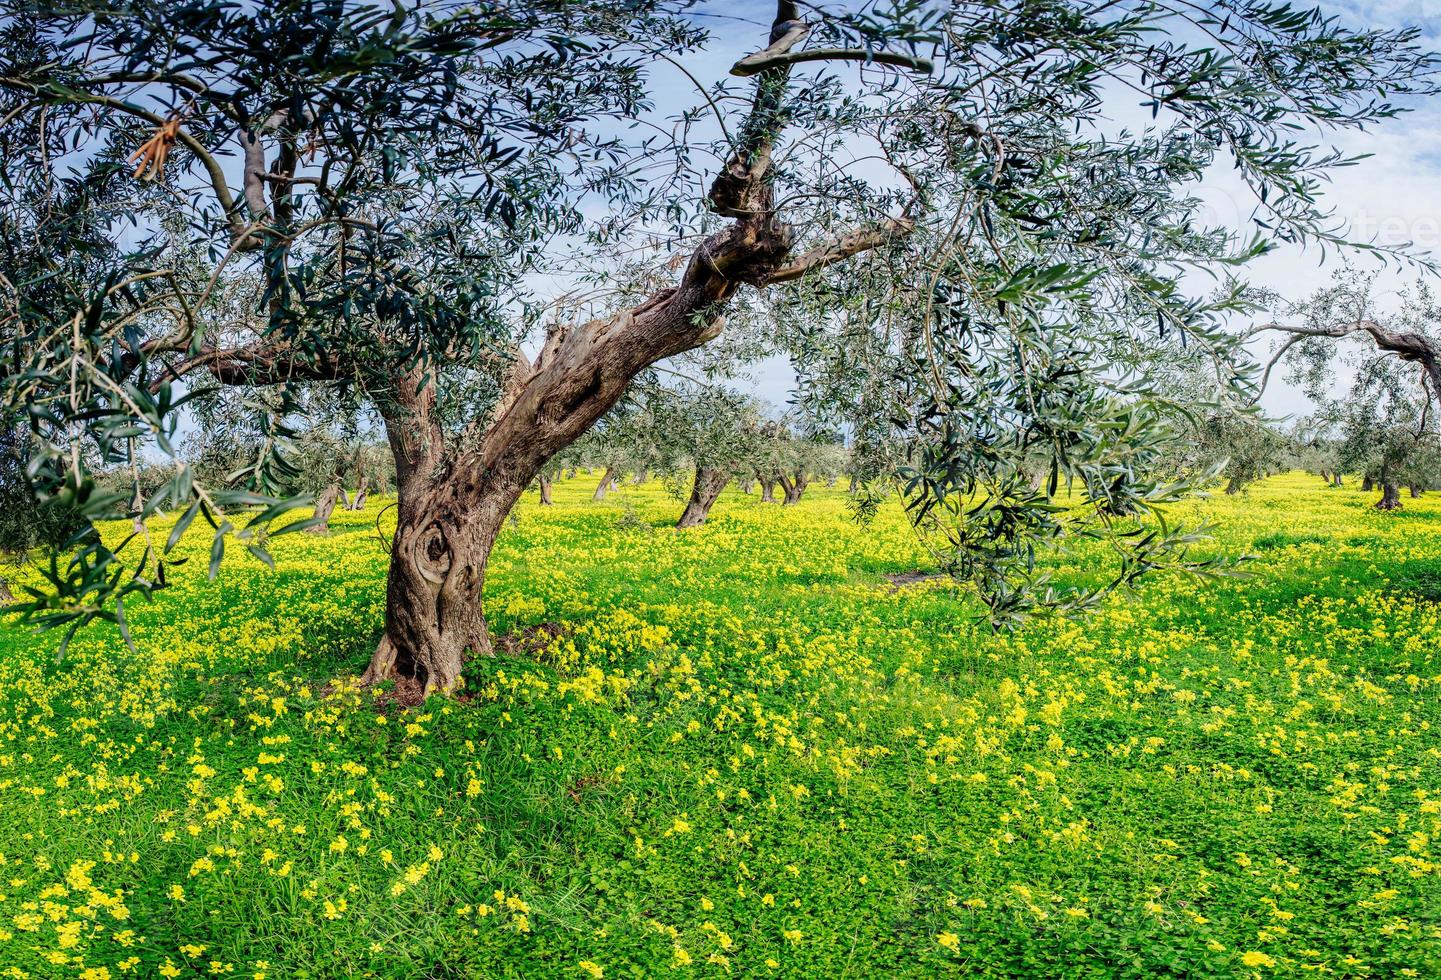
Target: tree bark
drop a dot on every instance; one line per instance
(707, 487)
(855, 484)
(1367, 484)
(545, 482)
(6, 596)
(638, 478)
(1415, 491)
(606, 485)
(767, 491)
(1233, 485)
(747, 485)
(324, 507)
(1390, 497)
(1337, 480)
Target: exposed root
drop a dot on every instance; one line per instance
(382, 665)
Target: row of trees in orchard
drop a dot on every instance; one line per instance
(976, 273)
(700, 438)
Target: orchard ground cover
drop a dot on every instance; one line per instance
(747, 755)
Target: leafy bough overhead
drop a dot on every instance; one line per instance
(922, 203)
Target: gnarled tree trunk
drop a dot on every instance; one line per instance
(324, 507)
(606, 485)
(358, 501)
(768, 495)
(1416, 491)
(707, 487)
(545, 482)
(794, 488)
(1233, 485)
(1390, 497)
(1367, 484)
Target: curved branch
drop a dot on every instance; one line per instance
(761, 60)
(841, 248)
(212, 166)
(1412, 347)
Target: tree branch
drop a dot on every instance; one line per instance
(760, 61)
(216, 174)
(1411, 347)
(841, 248)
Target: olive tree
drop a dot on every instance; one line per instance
(709, 436)
(385, 177)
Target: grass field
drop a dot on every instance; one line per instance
(747, 755)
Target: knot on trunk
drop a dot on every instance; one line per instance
(431, 554)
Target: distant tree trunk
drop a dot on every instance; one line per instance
(831, 482)
(794, 488)
(570, 473)
(545, 490)
(1390, 497)
(1337, 479)
(1415, 491)
(639, 478)
(607, 483)
(855, 484)
(358, 501)
(707, 487)
(324, 507)
(768, 495)
(748, 485)
(343, 501)
(1367, 484)
(1326, 476)
(6, 596)
(1234, 485)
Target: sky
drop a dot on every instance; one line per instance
(1391, 198)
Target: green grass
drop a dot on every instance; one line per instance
(749, 756)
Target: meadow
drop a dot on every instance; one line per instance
(746, 754)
